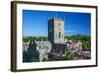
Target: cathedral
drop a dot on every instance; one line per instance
(55, 45)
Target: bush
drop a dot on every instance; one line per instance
(69, 55)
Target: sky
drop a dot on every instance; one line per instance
(35, 23)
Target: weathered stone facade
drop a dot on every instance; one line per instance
(56, 35)
(56, 30)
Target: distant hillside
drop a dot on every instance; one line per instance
(79, 37)
(86, 40)
(31, 38)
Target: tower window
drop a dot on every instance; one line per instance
(59, 34)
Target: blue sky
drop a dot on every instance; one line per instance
(35, 23)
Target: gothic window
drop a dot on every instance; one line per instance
(59, 24)
(59, 34)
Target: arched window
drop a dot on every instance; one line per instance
(59, 34)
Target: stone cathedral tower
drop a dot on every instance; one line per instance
(56, 30)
